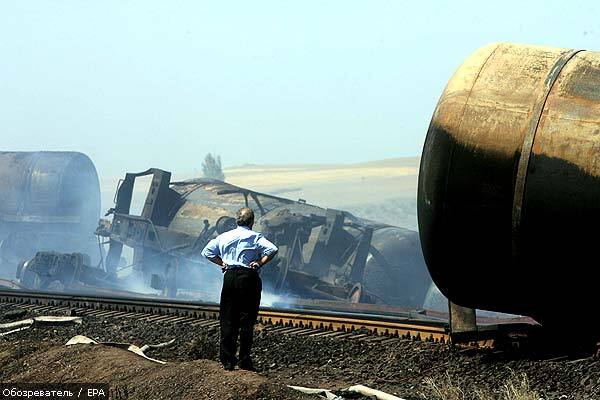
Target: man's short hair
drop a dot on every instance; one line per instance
(244, 217)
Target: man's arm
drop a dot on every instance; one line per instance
(268, 251)
(212, 252)
(263, 260)
(219, 261)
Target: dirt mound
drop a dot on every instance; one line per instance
(404, 368)
(133, 377)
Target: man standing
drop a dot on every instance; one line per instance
(240, 253)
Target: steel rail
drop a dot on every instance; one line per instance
(319, 321)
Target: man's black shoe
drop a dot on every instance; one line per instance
(228, 366)
(248, 366)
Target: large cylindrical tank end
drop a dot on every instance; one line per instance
(509, 183)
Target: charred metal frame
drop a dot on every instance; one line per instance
(148, 234)
(143, 232)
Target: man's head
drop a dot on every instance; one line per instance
(244, 217)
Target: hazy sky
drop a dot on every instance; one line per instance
(136, 84)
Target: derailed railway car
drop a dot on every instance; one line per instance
(324, 253)
(48, 201)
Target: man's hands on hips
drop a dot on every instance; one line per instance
(255, 265)
(217, 260)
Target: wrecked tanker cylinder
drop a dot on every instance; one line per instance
(58, 271)
(48, 201)
(323, 253)
(70, 272)
(509, 184)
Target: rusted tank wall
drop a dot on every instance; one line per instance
(509, 188)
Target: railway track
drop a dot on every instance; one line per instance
(323, 323)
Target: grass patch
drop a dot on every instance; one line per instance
(516, 387)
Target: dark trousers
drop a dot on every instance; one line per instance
(240, 299)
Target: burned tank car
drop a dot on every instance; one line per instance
(509, 183)
(48, 201)
(323, 253)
